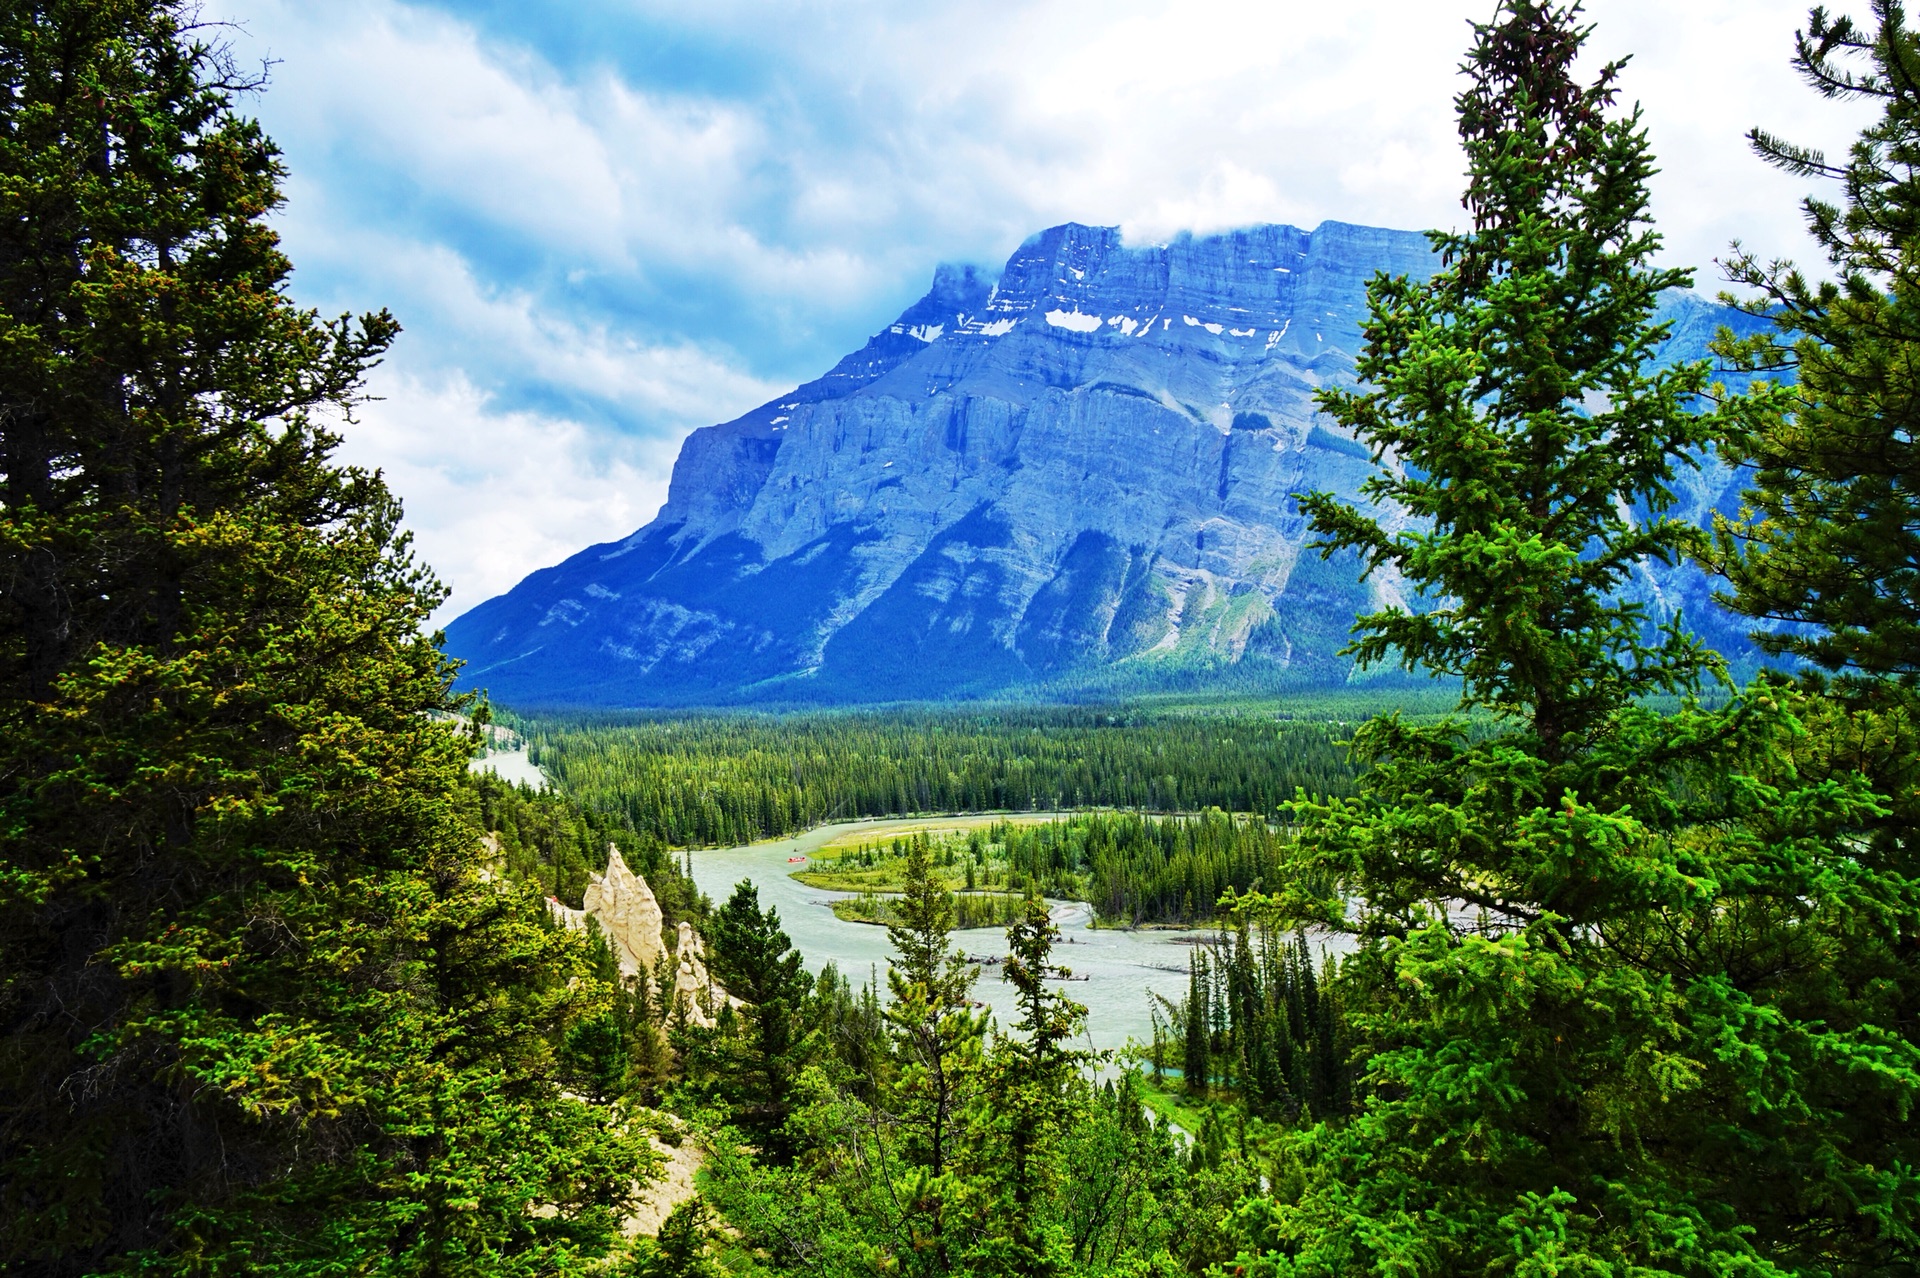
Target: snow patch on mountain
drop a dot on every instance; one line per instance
(1074, 320)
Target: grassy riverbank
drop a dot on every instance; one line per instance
(969, 854)
(970, 909)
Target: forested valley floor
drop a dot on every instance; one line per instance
(811, 1072)
(1188, 802)
(727, 779)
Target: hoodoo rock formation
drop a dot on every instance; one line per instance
(691, 980)
(628, 915)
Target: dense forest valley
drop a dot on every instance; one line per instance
(1229, 772)
(1196, 1118)
(713, 780)
(1584, 961)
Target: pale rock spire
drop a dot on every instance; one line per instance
(626, 910)
(625, 907)
(630, 918)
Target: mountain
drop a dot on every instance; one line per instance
(1078, 475)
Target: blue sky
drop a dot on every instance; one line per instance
(604, 223)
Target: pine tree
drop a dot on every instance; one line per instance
(259, 1013)
(1023, 1108)
(928, 983)
(597, 1052)
(923, 924)
(1827, 543)
(680, 1249)
(649, 1072)
(756, 962)
(1197, 1066)
(1571, 923)
(1831, 534)
(1834, 538)
(937, 1042)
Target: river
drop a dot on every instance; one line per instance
(1122, 968)
(512, 766)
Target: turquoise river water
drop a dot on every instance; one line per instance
(1113, 972)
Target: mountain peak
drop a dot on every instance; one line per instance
(1081, 468)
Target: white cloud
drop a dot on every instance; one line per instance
(504, 493)
(677, 383)
(404, 89)
(595, 249)
(493, 493)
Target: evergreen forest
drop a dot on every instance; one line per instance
(713, 781)
(1605, 965)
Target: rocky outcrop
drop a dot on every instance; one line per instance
(492, 860)
(678, 1181)
(1088, 464)
(628, 915)
(702, 995)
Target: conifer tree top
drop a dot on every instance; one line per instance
(1512, 396)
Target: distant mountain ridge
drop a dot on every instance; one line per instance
(1077, 474)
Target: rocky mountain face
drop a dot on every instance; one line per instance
(1079, 475)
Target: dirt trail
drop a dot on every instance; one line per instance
(675, 1186)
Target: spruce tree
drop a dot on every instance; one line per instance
(756, 963)
(1197, 1065)
(1832, 540)
(1585, 1048)
(259, 1012)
